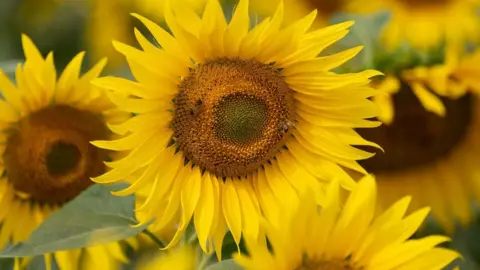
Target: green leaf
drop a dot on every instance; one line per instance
(224, 265)
(95, 217)
(6, 263)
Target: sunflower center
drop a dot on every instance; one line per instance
(240, 119)
(232, 116)
(327, 7)
(48, 157)
(62, 158)
(417, 137)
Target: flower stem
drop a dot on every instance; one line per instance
(155, 239)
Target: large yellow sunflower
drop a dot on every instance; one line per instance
(426, 23)
(230, 120)
(430, 140)
(296, 9)
(46, 158)
(348, 236)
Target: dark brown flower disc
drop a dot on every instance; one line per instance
(49, 157)
(417, 137)
(327, 7)
(232, 116)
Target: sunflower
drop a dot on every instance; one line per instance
(300, 8)
(426, 23)
(348, 236)
(230, 120)
(432, 156)
(46, 157)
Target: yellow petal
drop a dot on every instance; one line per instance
(126, 87)
(203, 216)
(68, 78)
(324, 63)
(32, 54)
(213, 28)
(10, 92)
(173, 204)
(385, 104)
(67, 259)
(429, 101)
(190, 195)
(231, 210)
(237, 29)
(404, 253)
(189, 43)
(167, 41)
(437, 258)
(268, 202)
(250, 216)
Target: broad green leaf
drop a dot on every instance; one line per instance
(6, 263)
(95, 217)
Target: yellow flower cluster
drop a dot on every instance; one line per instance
(246, 127)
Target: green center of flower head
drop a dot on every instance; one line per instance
(417, 137)
(240, 119)
(62, 158)
(48, 157)
(232, 116)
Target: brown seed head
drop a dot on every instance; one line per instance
(232, 116)
(48, 156)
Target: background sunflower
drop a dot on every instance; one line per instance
(46, 156)
(425, 24)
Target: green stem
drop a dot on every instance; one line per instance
(204, 262)
(192, 238)
(155, 239)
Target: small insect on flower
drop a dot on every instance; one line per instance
(258, 117)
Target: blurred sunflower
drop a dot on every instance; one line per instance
(347, 236)
(432, 117)
(46, 157)
(230, 120)
(300, 8)
(426, 23)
